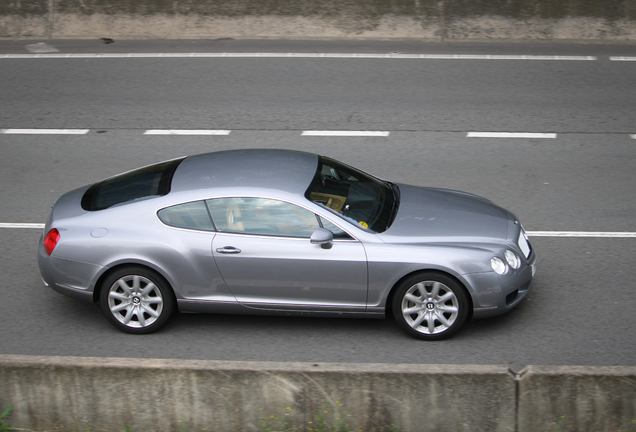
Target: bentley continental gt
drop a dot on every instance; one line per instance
(286, 233)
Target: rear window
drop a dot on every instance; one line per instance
(144, 182)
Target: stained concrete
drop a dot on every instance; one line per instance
(582, 20)
(576, 398)
(111, 394)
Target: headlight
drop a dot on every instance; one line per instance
(512, 258)
(498, 265)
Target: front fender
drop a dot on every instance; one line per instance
(390, 263)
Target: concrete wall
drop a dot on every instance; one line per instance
(576, 399)
(72, 394)
(608, 20)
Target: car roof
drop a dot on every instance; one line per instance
(282, 170)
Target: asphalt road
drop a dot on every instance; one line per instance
(581, 309)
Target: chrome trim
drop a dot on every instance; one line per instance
(182, 228)
(231, 307)
(278, 237)
(304, 307)
(203, 301)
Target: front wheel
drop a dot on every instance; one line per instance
(136, 300)
(430, 306)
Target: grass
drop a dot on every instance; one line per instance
(324, 420)
(4, 415)
(337, 419)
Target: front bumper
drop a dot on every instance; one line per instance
(495, 294)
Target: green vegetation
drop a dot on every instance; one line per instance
(4, 415)
(561, 424)
(326, 419)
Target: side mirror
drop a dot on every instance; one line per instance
(321, 236)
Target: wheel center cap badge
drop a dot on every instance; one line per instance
(430, 306)
(136, 300)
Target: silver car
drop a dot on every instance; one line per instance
(286, 233)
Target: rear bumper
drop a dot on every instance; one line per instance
(69, 277)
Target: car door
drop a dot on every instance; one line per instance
(263, 253)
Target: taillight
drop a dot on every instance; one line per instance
(50, 240)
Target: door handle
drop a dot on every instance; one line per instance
(228, 250)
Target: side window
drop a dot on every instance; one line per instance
(192, 215)
(262, 216)
(337, 232)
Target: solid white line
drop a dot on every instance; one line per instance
(633, 136)
(47, 131)
(22, 225)
(581, 234)
(347, 133)
(623, 58)
(186, 132)
(297, 55)
(509, 135)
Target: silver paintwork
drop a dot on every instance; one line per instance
(439, 230)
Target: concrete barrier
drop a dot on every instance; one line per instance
(112, 394)
(575, 399)
(71, 394)
(431, 20)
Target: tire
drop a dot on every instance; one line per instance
(136, 300)
(430, 306)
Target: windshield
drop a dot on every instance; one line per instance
(355, 196)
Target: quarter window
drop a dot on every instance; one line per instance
(262, 216)
(193, 215)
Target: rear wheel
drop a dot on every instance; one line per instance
(136, 300)
(430, 306)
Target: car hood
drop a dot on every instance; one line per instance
(442, 215)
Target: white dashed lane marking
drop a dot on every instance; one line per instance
(22, 225)
(324, 133)
(187, 132)
(346, 133)
(510, 135)
(46, 131)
